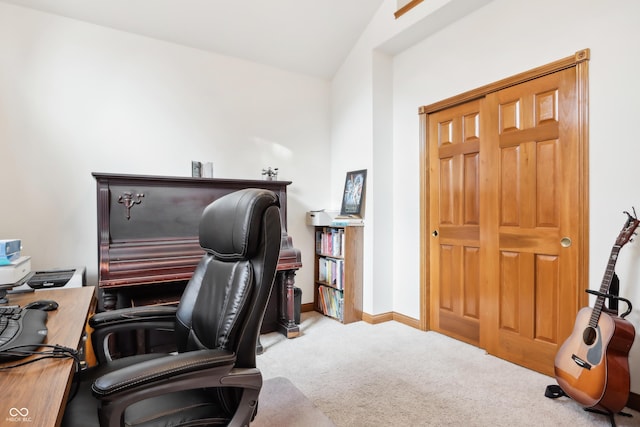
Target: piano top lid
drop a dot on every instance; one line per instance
(263, 183)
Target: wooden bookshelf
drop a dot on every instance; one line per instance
(338, 272)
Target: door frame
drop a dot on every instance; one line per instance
(580, 60)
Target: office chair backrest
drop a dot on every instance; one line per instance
(225, 300)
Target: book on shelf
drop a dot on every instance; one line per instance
(331, 271)
(331, 302)
(347, 221)
(330, 242)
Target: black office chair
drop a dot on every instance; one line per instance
(212, 379)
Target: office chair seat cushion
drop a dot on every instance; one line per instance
(167, 410)
(175, 409)
(230, 228)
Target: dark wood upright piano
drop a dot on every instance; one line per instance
(148, 241)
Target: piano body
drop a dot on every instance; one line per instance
(148, 241)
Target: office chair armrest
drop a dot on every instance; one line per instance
(107, 323)
(162, 369)
(132, 315)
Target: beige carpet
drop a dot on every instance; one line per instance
(283, 405)
(389, 374)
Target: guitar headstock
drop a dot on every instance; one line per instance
(629, 229)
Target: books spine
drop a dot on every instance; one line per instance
(330, 242)
(331, 302)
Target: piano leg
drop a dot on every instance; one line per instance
(109, 300)
(286, 304)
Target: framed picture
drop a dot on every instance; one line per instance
(354, 191)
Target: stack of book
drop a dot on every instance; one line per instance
(331, 302)
(330, 241)
(331, 271)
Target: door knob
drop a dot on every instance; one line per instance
(565, 242)
(435, 233)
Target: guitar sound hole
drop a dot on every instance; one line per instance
(589, 336)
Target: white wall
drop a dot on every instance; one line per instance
(77, 98)
(500, 39)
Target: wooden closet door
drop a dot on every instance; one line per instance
(454, 155)
(530, 220)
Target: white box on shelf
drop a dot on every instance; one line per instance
(321, 218)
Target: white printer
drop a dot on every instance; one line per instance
(54, 278)
(15, 271)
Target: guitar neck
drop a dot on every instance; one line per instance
(604, 287)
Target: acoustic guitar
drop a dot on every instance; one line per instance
(592, 365)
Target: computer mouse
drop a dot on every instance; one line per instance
(43, 304)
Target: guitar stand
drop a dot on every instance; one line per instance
(613, 301)
(611, 415)
(554, 391)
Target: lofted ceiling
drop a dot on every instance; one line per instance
(305, 36)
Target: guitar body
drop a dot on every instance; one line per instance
(592, 365)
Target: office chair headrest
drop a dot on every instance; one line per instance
(230, 226)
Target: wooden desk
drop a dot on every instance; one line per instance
(42, 388)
